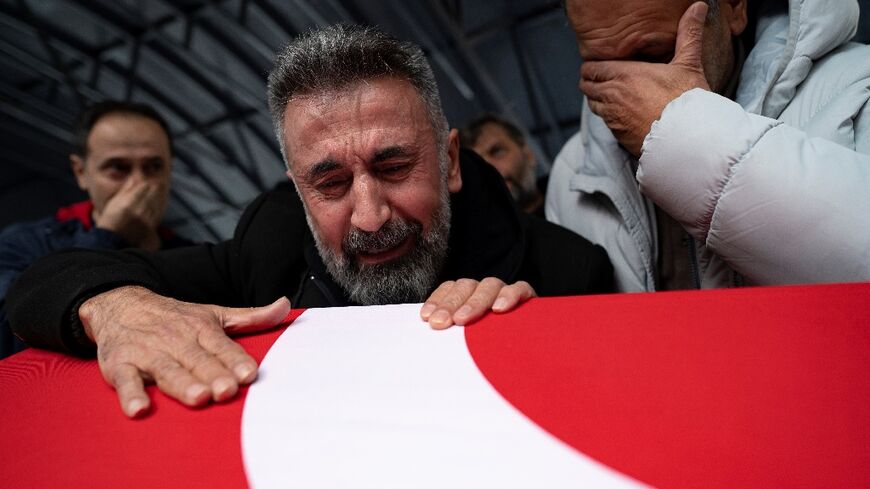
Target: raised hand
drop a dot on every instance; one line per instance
(183, 347)
(465, 301)
(135, 211)
(631, 95)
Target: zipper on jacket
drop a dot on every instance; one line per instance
(693, 261)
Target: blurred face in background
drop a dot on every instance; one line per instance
(515, 162)
(123, 147)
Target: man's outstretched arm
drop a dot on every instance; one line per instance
(87, 302)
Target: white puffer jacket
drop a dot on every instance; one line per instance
(775, 187)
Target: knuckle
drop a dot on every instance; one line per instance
(117, 376)
(453, 301)
(119, 353)
(209, 370)
(477, 301)
(442, 289)
(492, 282)
(523, 285)
(447, 284)
(466, 284)
(195, 356)
(163, 367)
(236, 355)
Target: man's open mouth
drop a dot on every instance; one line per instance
(383, 255)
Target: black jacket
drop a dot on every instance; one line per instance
(272, 254)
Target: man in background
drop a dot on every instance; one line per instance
(503, 145)
(122, 158)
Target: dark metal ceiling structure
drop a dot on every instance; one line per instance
(203, 64)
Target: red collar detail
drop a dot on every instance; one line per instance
(80, 212)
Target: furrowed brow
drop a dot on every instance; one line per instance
(321, 168)
(391, 152)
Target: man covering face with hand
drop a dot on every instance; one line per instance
(122, 158)
(720, 145)
(383, 207)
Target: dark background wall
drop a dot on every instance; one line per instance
(203, 64)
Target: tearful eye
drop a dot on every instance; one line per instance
(394, 170)
(332, 188)
(331, 183)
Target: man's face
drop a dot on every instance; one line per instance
(640, 30)
(368, 169)
(514, 162)
(123, 146)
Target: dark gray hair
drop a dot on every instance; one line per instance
(333, 58)
(93, 113)
(469, 134)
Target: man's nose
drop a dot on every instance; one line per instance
(370, 207)
(137, 174)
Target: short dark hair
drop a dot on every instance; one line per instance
(469, 134)
(333, 58)
(93, 113)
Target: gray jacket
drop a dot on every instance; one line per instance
(774, 188)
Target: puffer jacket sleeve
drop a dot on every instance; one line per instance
(776, 204)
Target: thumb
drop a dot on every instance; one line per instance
(237, 320)
(690, 37)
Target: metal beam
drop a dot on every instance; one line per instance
(166, 101)
(190, 65)
(435, 53)
(24, 10)
(197, 217)
(509, 22)
(534, 87)
(464, 49)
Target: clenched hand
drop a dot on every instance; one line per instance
(631, 95)
(183, 347)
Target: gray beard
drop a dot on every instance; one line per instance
(526, 191)
(407, 279)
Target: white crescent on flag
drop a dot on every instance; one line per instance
(373, 398)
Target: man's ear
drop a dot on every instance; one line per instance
(77, 164)
(736, 15)
(454, 175)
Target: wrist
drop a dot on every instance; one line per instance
(86, 312)
(93, 311)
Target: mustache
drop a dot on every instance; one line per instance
(390, 235)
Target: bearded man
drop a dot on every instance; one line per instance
(503, 145)
(384, 209)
